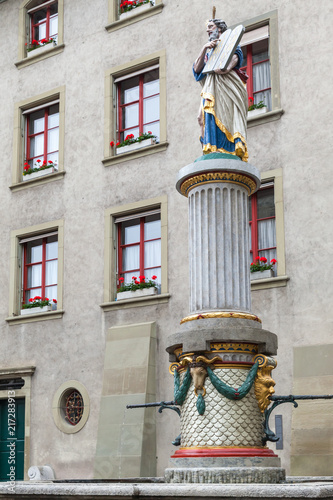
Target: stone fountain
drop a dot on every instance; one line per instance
(221, 356)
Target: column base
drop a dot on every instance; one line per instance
(226, 475)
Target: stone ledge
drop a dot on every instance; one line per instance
(106, 491)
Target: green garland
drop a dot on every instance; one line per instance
(181, 392)
(230, 392)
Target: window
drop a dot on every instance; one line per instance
(40, 267)
(44, 21)
(37, 254)
(40, 20)
(139, 246)
(136, 245)
(262, 223)
(257, 65)
(42, 135)
(135, 103)
(118, 20)
(39, 126)
(266, 216)
(71, 407)
(260, 47)
(138, 98)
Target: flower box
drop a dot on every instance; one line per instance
(135, 11)
(135, 145)
(260, 275)
(40, 173)
(143, 292)
(35, 310)
(256, 112)
(41, 49)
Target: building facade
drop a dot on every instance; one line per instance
(79, 215)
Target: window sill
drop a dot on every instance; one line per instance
(270, 116)
(137, 302)
(121, 23)
(55, 176)
(39, 57)
(31, 318)
(275, 282)
(137, 153)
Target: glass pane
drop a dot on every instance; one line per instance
(53, 26)
(130, 232)
(53, 157)
(36, 122)
(265, 203)
(37, 145)
(130, 116)
(54, 9)
(154, 128)
(39, 16)
(261, 76)
(34, 275)
(128, 276)
(259, 51)
(34, 252)
(53, 120)
(151, 88)
(129, 90)
(134, 131)
(51, 292)
(131, 258)
(266, 234)
(40, 31)
(52, 247)
(153, 253)
(51, 272)
(152, 227)
(30, 294)
(53, 140)
(149, 273)
(151, 109)
(151, 83)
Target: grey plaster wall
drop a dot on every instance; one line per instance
(73, 347)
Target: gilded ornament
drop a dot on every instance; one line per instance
(221, 314)
(264, 384)
(209, 177)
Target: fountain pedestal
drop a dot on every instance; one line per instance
(221, 356)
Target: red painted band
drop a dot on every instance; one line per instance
(223, 452)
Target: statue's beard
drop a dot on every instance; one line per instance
(214, 35)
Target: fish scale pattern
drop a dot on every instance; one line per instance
(225, 422)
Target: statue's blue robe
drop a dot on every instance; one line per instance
(224, 108)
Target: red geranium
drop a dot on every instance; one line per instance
(134, 277)
(38, 161)
(273, 261)
(154, 277)
(263, 259)
(121, 280)
(55, 301)
(137, 282)
(111, 144)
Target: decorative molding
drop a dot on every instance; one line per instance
(221, 314)
(211, 177)
(264, 384)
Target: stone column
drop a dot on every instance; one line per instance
(221, 356)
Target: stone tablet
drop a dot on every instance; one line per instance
(224, 50)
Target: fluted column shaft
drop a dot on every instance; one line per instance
(219, 248)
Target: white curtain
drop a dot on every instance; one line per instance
(262, 80)
(267, 238)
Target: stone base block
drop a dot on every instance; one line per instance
(225, 462)
(226, 475)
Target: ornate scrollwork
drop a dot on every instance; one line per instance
(209, 177)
